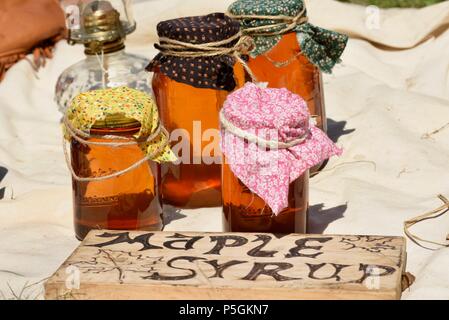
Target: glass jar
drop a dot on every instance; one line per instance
(130, 201)
(190, 92)
(290, 52)
(268, 144)
(245, 211)
(116, 146)
(285, 67)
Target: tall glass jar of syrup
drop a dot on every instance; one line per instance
(193, 73)
(289, 52)
(116, 143)
(269, 144)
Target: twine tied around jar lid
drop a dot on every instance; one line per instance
(279, 119)
(263, 143)
(268, 20)
(287, 22)
(243, 46)
(82, 137)
(118, 107)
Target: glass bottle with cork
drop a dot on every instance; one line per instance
(116, 145)
(268, 144)
(199, 64)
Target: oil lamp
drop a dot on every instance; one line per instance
(101, 26)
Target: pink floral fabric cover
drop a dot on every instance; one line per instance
(272, 114)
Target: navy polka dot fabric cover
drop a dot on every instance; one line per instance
(214, 72)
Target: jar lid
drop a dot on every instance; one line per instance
(322, 47)
(210, 72)
(266, 8)
(120, 107)
(199, 29)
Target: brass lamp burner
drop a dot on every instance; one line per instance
(101, 29)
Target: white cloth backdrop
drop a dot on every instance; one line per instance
(386, 95)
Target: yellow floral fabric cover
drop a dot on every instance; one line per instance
(92, 106)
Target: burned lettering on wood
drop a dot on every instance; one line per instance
(301, 245)
(123, 237)
(228, 241)
(370, 270)
(264, 268)
(257, 251)
(242, 260)
(337, 268)
(182, 239)
(220, 268)
(192, 272)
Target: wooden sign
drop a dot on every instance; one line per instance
(169, 265)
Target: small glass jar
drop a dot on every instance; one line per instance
(268, 144)
(130, 201)
(245, 211)
(190, 93)
(116, 146)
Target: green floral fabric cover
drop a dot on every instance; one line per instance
(322, 47)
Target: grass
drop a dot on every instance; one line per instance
(395, 3)
(28, 292)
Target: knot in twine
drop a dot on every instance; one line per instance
(287, 23)
(263, 143)
(82, 137)
(243, 46)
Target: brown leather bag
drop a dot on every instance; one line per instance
(29, 26)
